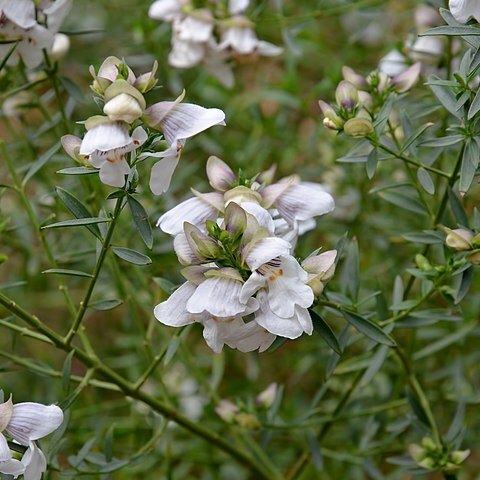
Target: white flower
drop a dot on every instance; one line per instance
(106, 145)
(168, 10)
(25, 423)
(197, 26)
(185, 53)
(463, 10)
(392, 63)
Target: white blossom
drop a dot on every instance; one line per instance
(463, 10)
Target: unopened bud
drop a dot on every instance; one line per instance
(331, 120)
(227, 410)
(474, 257)
(266, 398)
(123, 108)
(346, 95)
(459, 456)
(60, 47)
(422, 263)
(247, 421)
(459, 239)
(357, 80)
(147, 81)
(405, 80)
(358, 127)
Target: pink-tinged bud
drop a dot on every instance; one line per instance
(426, 17)
(6, 412)
(346, 95)
(357, 80)
(459, 239)
(331, 120)
(407, 79)
(266, 398)
(227, 410)
(71, 145)
(366, 100)
(358, 127)
(123, 108)
(147, 81)
(320, 269)
(220, 175)
(474, 257)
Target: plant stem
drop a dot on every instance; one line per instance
(129, 389)
(96, 272)
(20, 189)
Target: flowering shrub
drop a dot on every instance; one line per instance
(355, 223)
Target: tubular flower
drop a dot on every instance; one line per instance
(24, 423)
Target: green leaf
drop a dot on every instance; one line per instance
(77, 171)
(464, 286)
(131, 256)
(351, 271)
(79, 222)
(67, 371)
(384, 114)
(324, 330)
(140, 218)
(442, 141)
(427, 237)
(315, 451)
(446, 97)
(72, 89)
(72, 273)
(455, 31)
(403, 200)
(368, 328)
(457, 208)
(105, 304)
(413, 138)
(77, 208)
(375, 365)
(116, 194)
(471, 156)
(425, 181)
(417, 408)
(372, 162)
(40, 162)
(475, 106)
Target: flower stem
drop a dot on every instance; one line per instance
(96, 272)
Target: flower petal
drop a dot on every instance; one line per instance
(162, 172)
(113, 173)
(193, 210)
(34, 462)
(165, 10)
(220, 175)
(21, 12)
(237, 6)
(265, 250)
(253, 337)
(104, 137)
(9, 465)
(172, 312)
(31, 421)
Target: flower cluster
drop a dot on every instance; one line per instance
(243, 283)
(34, 27)
(120, 130)
(463, 240)
(210, 34)
(359, 98)
(24, 423)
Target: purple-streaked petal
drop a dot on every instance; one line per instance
(265, 250)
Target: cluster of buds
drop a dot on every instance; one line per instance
(24, 423)
(242, 282)
(359, 98)
(430, 456)
(120, 130)
(34, 27)
(463, 240)
(210, 33)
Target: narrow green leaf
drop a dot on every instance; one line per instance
(372, 162)
(446, 97)
(105, 304)
(426, 181)
(351, 271)
(77, 171)
(77, 208)
(442, 141)
(40, 162)
(456, 426)
(324, 330)
(417, 408)
(427, 237)
(471, 156)
(78, 222)
(475, 106)
(455, 31)
(464, 286)
(67, 371)
(140, 218)
(375, 365)
(414, 137)
(72, 89)
(315, 451)
(457, 208)
(403, 200)
(131, 256)
(63, 271)
(368, 328)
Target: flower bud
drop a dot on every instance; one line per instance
(331, 120)
(227, 410)
(242, 194)
(6, 412)
(357, 80)
(266, 398)
(474, 257)
(71, 145)
(247, 421)
(346, 95)
(459, 239)
(476, 240)
(147, 81)
(422, 263)
(366, 100)
(459, 456)
(358, 127)
(320, 269)
(60, 47)
(220, 175)
(123, 108)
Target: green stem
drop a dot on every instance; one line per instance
(129, 389)
(96, 272)
(20, 189)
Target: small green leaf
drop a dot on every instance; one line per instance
(77, 208)
(140, 218)
(40, 162)
(77, 171)
(455, 31)
(131, 256)
(442, 141)
(403, 200)
(79, 222)
(464, 286)
(368, 328)
(105, 304)
(324, 330)
(72, 89)
(425, 181)
(372, 162)
(471, 156)
(446, 97)
(72, 273)
(475, 106)
(67, 371)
